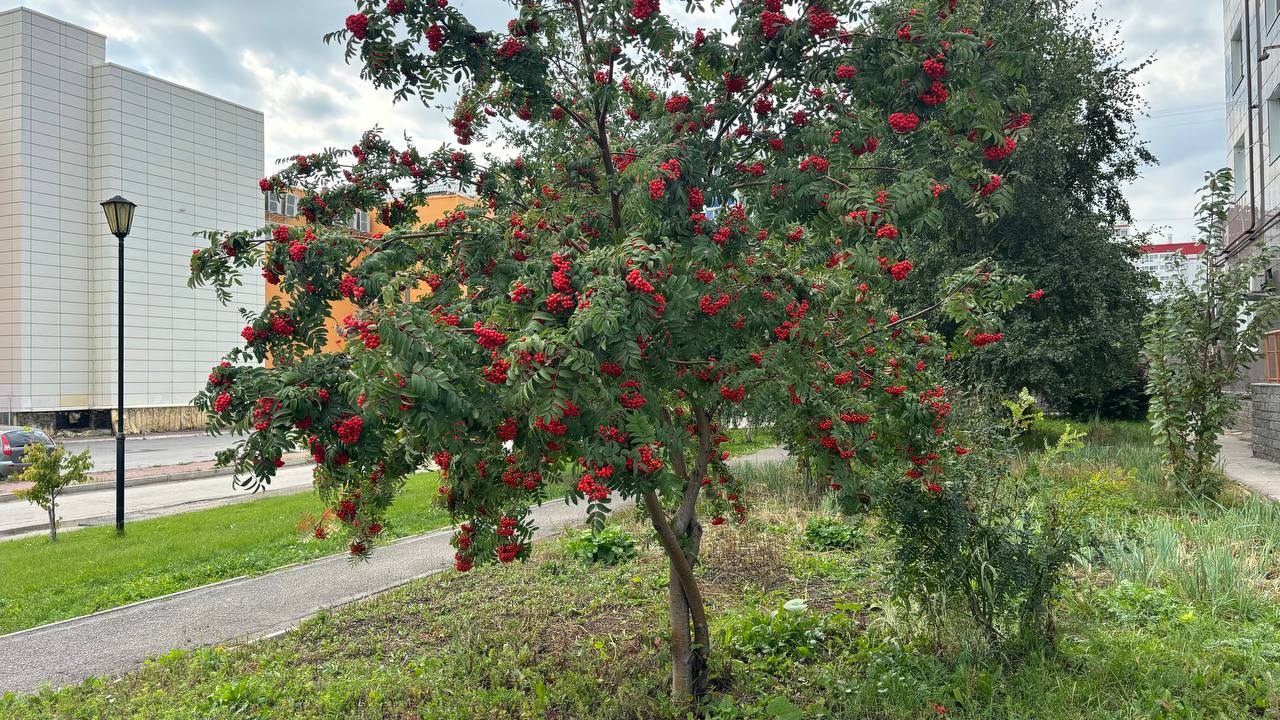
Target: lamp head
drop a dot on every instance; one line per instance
(119, 212)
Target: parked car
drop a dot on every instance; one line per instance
(13, 445)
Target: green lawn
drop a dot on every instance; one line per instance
(93, 569)
(740, 446)
(1174, 615)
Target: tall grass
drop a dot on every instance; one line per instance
(1216, 555)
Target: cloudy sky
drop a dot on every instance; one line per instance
(269, 55)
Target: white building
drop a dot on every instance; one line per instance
(1170, 261)
(75, 130)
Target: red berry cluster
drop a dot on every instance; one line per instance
(358, 24)
(712, 306)
(903, 123)
(263, 412)
(643, 9)
(1000, 151)
(980, 339)
(772, 21)
(816, 163)
(364, 329)
(488, 338)
(349, 430)
(733, 395)
(591, 483)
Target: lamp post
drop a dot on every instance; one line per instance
(119, 214)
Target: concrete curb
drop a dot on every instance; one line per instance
(136, 482)
(96, 520)
(114, 641)
(232, 581)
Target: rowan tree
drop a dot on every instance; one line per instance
(680, 224)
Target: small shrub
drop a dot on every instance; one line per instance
(998, 541)
(51, 471)
(1133, 603)
(610, 546)
(829, 533)
(1198, 343)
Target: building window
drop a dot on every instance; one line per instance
(1273, 125)
(1237, 60)
(281, 204)
(1271, 10)
(359, 222)
(1240, 170)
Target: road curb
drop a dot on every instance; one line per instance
(196, 505)
(237, 579)
(137, 481)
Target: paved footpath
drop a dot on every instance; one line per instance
(1240, 465)
(116, 641)
(98, 507)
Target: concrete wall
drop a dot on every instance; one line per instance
(1266, 420)
(75, 130)
(191, 162)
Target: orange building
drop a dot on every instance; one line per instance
(282, 209)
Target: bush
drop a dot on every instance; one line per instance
(610, 546)
(828, 533)
(998, 543)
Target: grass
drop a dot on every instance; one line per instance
(558, 638)
(93, 569)
(740, 446)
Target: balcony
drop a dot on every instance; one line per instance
(1238, 218)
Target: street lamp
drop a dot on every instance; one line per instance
(119, 214)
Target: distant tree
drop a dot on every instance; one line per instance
(1078, 349)
(1199, 340)
(51, 471)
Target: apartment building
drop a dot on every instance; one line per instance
(282, 209)
(1252, 78)
(1170, 262)
(75, 130)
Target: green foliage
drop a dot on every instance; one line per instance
(789, 633)
(1078, 347)
(577, 642)
(51, 471)
(1215, 563)
(999, 543)
(828, 533)
(1199, 341)
(610, 546)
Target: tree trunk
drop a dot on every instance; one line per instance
(690, 635)
(53, 522)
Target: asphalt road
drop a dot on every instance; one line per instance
(99, 506)
(151, 450)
